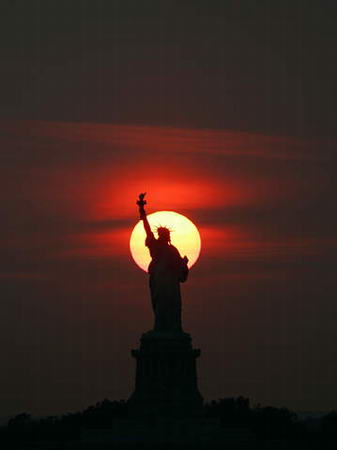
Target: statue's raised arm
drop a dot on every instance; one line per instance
(142, 213)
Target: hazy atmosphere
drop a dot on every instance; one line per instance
(222, 111)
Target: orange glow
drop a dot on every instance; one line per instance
(172, 189)
(185, 236)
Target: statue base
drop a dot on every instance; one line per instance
(166, 376)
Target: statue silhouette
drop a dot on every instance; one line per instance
(166, 270)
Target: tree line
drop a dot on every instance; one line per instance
(264, 423)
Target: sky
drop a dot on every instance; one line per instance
(223, 111)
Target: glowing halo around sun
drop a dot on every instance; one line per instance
(184, 236)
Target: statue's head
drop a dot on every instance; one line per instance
(164, 234)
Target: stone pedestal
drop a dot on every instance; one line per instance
(166, 376)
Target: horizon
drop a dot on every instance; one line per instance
(222, 112)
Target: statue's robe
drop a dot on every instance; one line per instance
(167, 270)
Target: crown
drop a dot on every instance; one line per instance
(161, 227)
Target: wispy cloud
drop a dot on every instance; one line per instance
(47, 137)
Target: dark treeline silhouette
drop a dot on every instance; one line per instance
(265, 424)
(263, 421)
(23, 428)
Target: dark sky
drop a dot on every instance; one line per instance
(224, 111)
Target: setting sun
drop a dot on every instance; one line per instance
(184, 235)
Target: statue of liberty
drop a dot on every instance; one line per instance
(166, 271)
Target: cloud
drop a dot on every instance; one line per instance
(67, 184)
(265, 210)
(151, 140)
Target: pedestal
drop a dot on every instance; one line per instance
(166, 376)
